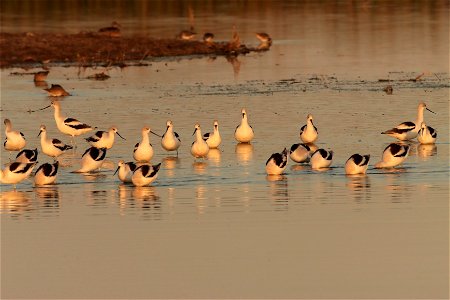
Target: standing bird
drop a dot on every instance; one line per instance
(199, 148)
(321, 158)
(69, 126)
(46, 174)
(51, 147)
(276, 163)
(170, 139)
(56, 91)
(27, 156)
(125, 170)
(244, 132)
(40, 76)
(145, 174)
(213, 139)
(300, 153)
(357, 164)
(427, 134)
(92, 159)
(393, 155)
(143, 151)
(265, 41)
(208, 38)
(15, 140)
(308, 132)
(104, 139)
(15, 172)
(408, 130)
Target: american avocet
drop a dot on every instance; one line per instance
(125, 170)
(357, 164)
(244, 132)
(308, 132)
(51, 147)
(300, 153)
(104, 139)
(427, 134)
(199, 148)
(145, 174)
(186, 35)
(170, 139)
(56, 91)
(393, 155)
(27, 156)
(92, 159)
(276, 163)
(69, 126)
(111, 31)
(15, 172)
(40, 76)
(321, 159)
(213, 139)
(46, 174)
(408, 130)
(208, 38)
(143, 151)
(15, 140)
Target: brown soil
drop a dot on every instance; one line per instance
(93, 49)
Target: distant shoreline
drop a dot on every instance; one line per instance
(89, 49)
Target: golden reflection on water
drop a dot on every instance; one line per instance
(426, 151)
(200, 167)
(244, 152)
(201, 199)
(214, 156)
(170, 163)
(279, 194)
(47, 192)
(359, 186)
(14, 202)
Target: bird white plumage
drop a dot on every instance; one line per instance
(125, 170)
(46, 174)
(199, 147)
(15, 140)
(16, 172)
(308, 132)
(51, 147)
(27, 156)
(321, 158)
(244, 132)
(426, 134)
(104, 139)
(393, 155)
(170, 140)
(277, 163)
(92, 159)
(357, 164)
(143, 151)
(299, 153)
(145, 174)
(213, 139)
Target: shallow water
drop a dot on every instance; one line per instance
(220, 227)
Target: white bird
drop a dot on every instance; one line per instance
(276, 163)
(51, 147)
(15, 172)
(213, 139)
(321, 158)
(408, 130)
(244, 132)
(143, 151)
(104, 139)
(69, 126)
(46, 174)
(27, 156)
(125, 170)
(15, 140)
(357, 164)
(393, 155)
(427, 134)
(199, 147)
(300, 153)
(92, 159)
(145, 174)
(308, 132)
(170, 139)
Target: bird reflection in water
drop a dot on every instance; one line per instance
(200, 199)
(14, 202)
(200, 167)
(235, 63)
(214, 156)
(244, 152)
(170, 163)
(359, 186)
(279, 191)
(424, 151)
(148, 201)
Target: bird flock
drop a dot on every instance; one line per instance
(141, 172)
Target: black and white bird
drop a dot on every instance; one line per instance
(199, 148)
(125, 170)
(321, 158)
(276, 163)
(244, 132)
(15, 172)
(51, 147)
(92, 159)
(27, 156)
(408, 130)
(357, 164)
(15, 140)
(46, 174)
(213, 139)
(299, 153)
(308, 132)
(104, 139)
(170, 140)
(393, 155)
(145, 174)
(143, 151)
(427, 134)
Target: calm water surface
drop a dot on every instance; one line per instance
(221, 228)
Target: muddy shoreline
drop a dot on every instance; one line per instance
(92, 49)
